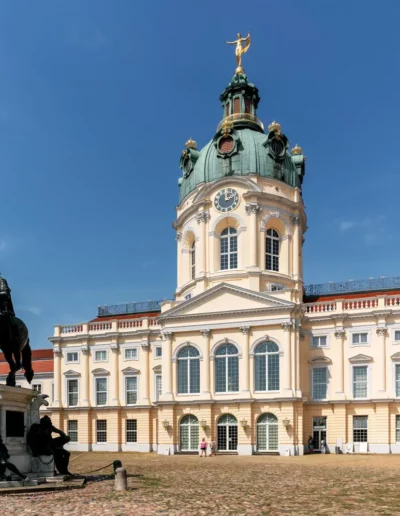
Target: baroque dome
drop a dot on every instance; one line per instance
(240, 146)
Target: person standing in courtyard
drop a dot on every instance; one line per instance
(310, 444)
(213, 448)
(203, 448)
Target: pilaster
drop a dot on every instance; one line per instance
(206, 390)
(167, 394)
(245, 377)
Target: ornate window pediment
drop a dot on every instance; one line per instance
(396, 356)
(360, 358)
(130, 370)
(320, 360)
(157, 369)
(71, 372)
(100, 372)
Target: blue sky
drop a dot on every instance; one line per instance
(97, 99)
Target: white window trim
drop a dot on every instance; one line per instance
(125, 390)
(225, 357)
(328, 383)
(107, 430)
(395, 362)
(155, 352)
(188, 359)
(368, 428)
(357, 331)
(156, 397)
(130, 345)
(125, 359)
(100, 377)
(394, 329)
(266, 376)
(395, 426)
(317, 335)
(38, 383)
(77, 351)
(229, 253)
(95, 360)
(368, 366)
(67, 392)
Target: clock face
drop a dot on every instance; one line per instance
(226, 200)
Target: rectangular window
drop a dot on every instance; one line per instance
(397, 429)
(360, 429)
(72, 393)
(158, 386)
(397, 336)
(72, 357)
(319, 342)
(158, 352)
(131, 430)
(73, 430)
(320, 383)
(397, 373)
(100, 356)
(101, 391)
(233, 374)
(360, 338)
(131, 390)
(37, 387)
(360, 382)
(236, 105)
(101, 430)
(131, 354)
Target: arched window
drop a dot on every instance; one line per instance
(227, 433)
(189, 433)
(266, 367)
(272, 251)
(227, 369)
(229, 255)
(267, 433)
(188, 371)
(193, 260)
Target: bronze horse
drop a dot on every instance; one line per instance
(14, 337)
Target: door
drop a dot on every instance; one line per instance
(319, 432)
(267, 433)
(227, 433)
(189, 433)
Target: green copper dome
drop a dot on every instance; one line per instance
(240, 147)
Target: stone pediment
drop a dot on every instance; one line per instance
(130, 370)
(320, 360)
(225, 298)
(100, 372)
(71, 372)
(360, 358)
(395, 356)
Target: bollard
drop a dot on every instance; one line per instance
(120, 479)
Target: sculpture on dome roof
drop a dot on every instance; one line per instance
(14, 337)
(240, 50)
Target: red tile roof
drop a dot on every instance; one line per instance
(42, 362)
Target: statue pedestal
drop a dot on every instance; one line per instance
(19, 409)
(43, 466)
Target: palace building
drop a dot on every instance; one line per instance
(245, 353)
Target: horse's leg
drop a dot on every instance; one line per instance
(9, 357)
(10, 381)
(27, 361)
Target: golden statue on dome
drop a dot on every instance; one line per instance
(240, 50)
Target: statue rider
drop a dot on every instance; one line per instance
(6, 311)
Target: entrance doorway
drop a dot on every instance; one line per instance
(189, 433)
(267, 433)
(319, 432)
(227, 437)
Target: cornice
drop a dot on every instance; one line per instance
(233, 313)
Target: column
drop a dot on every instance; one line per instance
(114, 378)
(57, 377)
(206, 362)
(178, 239)
(339, 370)
(202, 219)
(145, 374)
(295, 220)
(287, 355)
(252, 209)
(245, 370)
(297, 358)
(84, 394)
(167, 368)
(381, 332)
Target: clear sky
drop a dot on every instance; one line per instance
(98, 97)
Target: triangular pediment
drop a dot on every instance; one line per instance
(130, 370)
(320, 360)
(71, 372)
(225, 298)
(360, 358)
(100, 372)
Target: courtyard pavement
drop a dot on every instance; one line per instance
(224, 485)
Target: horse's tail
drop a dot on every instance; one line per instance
(27, 361)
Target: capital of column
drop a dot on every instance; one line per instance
(205, 333)
(245, 329)
(57, 352)
(145, 346)
(114, 348)
(295, 220)
(178, 236)
(85, 350)
(381, 332)
(252, 208)
(287, 326)
(340, 334)
(203, 216)
(166, 335)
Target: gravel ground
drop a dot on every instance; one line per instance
(224, 485)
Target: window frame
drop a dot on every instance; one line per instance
(397, 428)
(157, 394)
(360, 429)
(394, 340)
(96, 360)
(396, 365)
(313, 368)
(131, 348)
(72, 352)
(232, 232)
(134, 431)
(126, 378)
(156, 350)
(360, 332)
(96, 392)
(189, 359)
(266, 355)
(226, 358)
(70, 432)
(271, 254)
(353, 367)
(39, 384)
(68, 380)
(317, 336)
(104, 431)
(193, 261)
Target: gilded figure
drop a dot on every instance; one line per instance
(240, 49)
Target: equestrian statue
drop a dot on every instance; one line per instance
(14, 337)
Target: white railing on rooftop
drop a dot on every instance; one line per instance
(117, 325)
